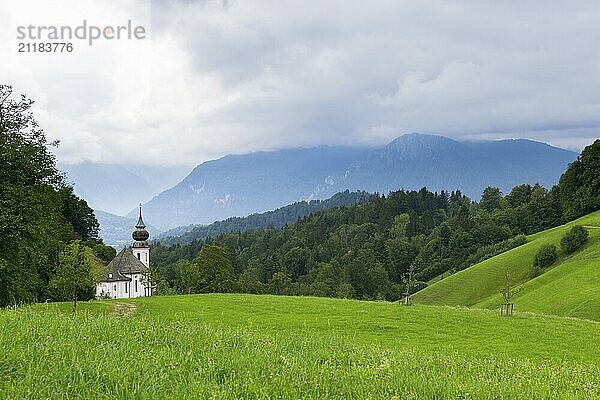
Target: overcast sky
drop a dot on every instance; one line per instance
(218, 77)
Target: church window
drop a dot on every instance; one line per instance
(138, 254)
(126, 284)
(136, 288)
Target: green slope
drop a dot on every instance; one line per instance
(570, 288)
(269, 347)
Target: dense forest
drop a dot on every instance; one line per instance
(367, 250)
(277, 218)
(41, 221)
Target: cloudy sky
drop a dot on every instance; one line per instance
(218, 77)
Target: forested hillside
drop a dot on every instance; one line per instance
(276, 219)
(579, 186)
(367, 250)
(39, 214)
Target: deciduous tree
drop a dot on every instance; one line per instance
(73, 278)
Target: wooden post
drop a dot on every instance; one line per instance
(409, 283)
(506, 309)
(508, 291)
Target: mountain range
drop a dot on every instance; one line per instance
(238, 185)
(439, 163)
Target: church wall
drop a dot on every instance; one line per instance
(115, 289)
(144, 255)
(121, 292)
(140, 286)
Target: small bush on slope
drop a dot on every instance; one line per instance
(574, 239)
(545, 256)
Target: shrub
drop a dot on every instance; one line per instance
(574, 239)
(545, 256)
(396, 292)
(345, 291)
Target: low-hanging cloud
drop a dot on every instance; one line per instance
(216, 77)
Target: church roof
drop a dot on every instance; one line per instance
(124, 263)
(114, 276)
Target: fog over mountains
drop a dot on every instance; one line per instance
(439, 163)
(239, 185)
(118, 189)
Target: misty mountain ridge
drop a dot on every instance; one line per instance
(239, 185)
(117, 189)
(440, 163)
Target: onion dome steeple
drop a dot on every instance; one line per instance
(140, 234)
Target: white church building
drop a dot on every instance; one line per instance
(129, 272)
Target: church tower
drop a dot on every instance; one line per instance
(141, 249)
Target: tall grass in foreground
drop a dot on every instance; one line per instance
(46, 353)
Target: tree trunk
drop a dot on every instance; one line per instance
(74, 300)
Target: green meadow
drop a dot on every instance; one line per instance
(570, 287)
(261, 347)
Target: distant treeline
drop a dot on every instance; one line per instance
(366, 250)
(275, 219)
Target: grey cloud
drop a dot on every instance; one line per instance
(239, 76)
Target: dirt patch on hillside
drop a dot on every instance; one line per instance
(124, 309)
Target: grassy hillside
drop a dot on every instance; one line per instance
(570, 288)
(244, 346)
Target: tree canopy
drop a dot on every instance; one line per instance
(38, 212)
(72, 279)
(579, 186)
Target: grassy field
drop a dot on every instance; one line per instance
(244, 346)
(571, 287)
